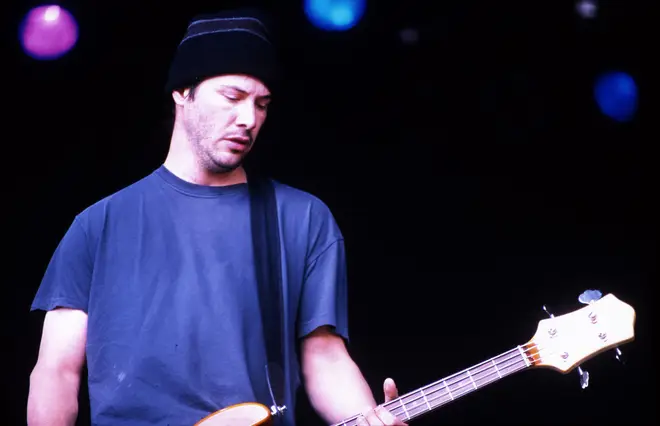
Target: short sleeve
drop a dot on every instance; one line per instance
(324, 292)
(66, 282)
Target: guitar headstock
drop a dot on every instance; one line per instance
(564, 342)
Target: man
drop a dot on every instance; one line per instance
(154, 286)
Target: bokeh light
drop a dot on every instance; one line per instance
(48, 32)
(334, 15)
(616, 95)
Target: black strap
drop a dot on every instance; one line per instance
(266, 246)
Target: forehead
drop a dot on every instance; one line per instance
(244, 83)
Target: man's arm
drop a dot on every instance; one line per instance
(55, 379)
(335, 386)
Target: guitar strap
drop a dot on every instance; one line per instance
(267, 258)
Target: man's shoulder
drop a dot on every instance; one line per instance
(303, 210)
(289, 196)
(127, 194)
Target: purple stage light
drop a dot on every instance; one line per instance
(48, 32)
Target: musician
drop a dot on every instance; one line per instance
(154, 286)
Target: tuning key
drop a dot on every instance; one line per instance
(584, 377)
(590, 296)
(619, 356)
(548, 312)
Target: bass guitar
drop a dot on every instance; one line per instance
(560, 343)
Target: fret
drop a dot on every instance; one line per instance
(447, 387)
(495, 365)
(486, 375)
(471, 379)
(523, 356)
(426, 400)
(414, 404)
(459, 384)
(404, 409)
(508, 363)
(438, 394)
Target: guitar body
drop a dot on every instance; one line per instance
(246, 414)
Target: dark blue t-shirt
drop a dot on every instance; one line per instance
(164, 269)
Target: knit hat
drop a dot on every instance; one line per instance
(230, 42)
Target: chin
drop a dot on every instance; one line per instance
(223, 165)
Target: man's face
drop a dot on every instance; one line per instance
(223, 118)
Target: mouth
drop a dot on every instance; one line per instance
(244, 141)
(238, 144)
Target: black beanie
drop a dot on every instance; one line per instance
(233, 42)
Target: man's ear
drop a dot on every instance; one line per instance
(180, 96)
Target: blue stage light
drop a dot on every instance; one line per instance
(334, 15)
(616, 95)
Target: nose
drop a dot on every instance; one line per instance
(246, 115)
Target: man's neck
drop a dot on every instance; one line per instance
(203, 177)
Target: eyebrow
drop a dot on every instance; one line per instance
(244, 92)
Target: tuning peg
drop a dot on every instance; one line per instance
(619, 356)
(548, 312)
(590, 296)
(584, 377)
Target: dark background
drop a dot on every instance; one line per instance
(472, 174)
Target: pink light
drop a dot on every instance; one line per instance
(48, 32)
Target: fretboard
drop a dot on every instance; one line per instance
(437, 394)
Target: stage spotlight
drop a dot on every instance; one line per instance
(616, 95)
(48, 32)
(334, 15)
(587, 8)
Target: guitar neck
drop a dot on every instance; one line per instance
(437, 394)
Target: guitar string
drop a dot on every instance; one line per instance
(517, 365)
(431, 397)
(516, 355)
(533, 352)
